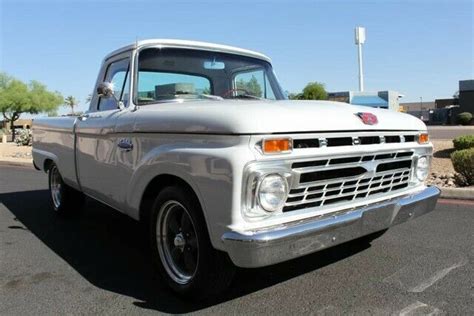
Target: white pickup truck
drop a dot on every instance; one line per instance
(198, 142)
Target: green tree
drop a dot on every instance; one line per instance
(17, 97)
(295, 96)
(71, 102)
(314, 91)
(252, 86)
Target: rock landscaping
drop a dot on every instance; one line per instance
(442, 170)
(11, 152)
(443, 179)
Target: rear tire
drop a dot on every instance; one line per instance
(64, 199)
(181, 248)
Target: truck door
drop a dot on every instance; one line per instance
(98, 146)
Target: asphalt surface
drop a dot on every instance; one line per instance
(449, 132)
(98, 264)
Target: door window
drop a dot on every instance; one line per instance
(254, 83)
(119, 75)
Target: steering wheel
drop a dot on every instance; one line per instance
(230, 91)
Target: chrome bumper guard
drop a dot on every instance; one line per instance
(263, 248)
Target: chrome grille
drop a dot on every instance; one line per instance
(343, 179)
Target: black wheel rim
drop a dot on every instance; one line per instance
(55, 186)
(177, 242)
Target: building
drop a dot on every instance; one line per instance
(444, 111)
(379, 99)
(20, 123)
(466, 96)
(417, 106)
(442, 103)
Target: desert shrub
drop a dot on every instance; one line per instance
(464, 118)
(463, 163)
(463, 142)
(23, 137)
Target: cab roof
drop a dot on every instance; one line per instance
(174, 43)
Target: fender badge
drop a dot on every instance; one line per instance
(367, 118)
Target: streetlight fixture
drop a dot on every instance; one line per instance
(359, 40)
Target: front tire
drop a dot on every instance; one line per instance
(64, 199)
(181, 248)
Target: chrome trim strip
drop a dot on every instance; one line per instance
(328, 166)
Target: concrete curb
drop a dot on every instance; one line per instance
(16, 163)
(457, 193)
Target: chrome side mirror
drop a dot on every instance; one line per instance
(106, 90)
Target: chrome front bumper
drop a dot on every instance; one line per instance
(263, 248)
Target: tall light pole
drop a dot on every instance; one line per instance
(359, 40)
(421, 107)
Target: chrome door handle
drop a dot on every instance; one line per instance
(125, 144)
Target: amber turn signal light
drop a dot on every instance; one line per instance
(423, 138)
(277, 146)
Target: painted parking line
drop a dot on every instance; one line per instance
(454, 201)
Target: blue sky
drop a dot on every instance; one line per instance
(419, 48)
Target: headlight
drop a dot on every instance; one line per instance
(272, 192)
(422, 168)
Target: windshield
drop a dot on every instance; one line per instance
(170, 74)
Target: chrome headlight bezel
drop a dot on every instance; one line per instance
(252, 208)
(422, 168)
(272, 182)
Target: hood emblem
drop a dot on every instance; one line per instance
(367, 118)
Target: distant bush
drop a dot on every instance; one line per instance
(464, 118)
(463, 142)
(463, 163)
(23, 137)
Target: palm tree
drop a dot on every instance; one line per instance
(71, 102)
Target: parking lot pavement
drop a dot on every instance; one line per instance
(449, 132)
(98, 263)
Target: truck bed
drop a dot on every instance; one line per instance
(53, 140)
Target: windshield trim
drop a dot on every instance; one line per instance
(278, 91)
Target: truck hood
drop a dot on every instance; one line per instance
(265, 117)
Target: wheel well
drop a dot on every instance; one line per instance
(47, 164)
(154, 187)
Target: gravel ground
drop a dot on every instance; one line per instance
(441, 156)
(442, 171)
(12, 150)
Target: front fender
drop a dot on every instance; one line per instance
(158, 163)
(212, 169)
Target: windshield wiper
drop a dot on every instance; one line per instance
(196, 95)
(247, 96)
(212, 97)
